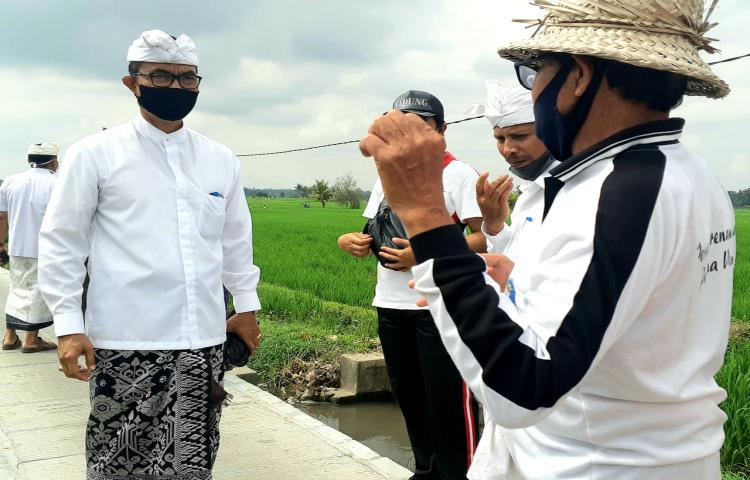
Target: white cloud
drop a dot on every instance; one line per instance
(270, 87)
(740, 164)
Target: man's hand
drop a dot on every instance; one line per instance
(408, 154)
(402, 258)
(499, 267)
(357, 244)
(245, 325)
(493, 201)
(69, 348)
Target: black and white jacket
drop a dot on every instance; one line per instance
(605, 359)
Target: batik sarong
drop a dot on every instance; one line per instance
(154, 415)
(24, 309)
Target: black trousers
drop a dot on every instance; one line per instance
(440, 413)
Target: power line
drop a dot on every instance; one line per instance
(729, 59)
(347, 142)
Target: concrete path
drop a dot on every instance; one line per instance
(43, 415)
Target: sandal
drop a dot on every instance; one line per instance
(12, 346)
(41, 346)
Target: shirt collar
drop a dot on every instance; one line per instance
(659, 132)
(41, 169)
(156, 135)
(546, 173)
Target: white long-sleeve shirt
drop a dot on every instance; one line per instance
(491, 457)
(604, 366)
(25, 196)
(163, 221)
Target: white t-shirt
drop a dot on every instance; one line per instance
(25, 197)
(459, 189)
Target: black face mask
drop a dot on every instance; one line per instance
(533, 170)
(555, 130)
(167, 103)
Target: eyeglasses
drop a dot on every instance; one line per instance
(527, 70)
(166, 79)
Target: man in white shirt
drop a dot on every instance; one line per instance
(439, 411)
(160, 213)
(23, 201)
(604, 366)
(510, 112)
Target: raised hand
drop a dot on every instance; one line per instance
(493, 201)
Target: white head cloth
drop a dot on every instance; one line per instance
(156, 46)
(46, 148)
(505, 106)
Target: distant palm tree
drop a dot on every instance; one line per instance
(321, 191)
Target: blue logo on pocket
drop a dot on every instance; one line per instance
(510, 290)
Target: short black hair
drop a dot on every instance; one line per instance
(659, 90)
(133, 67)
(41, 159)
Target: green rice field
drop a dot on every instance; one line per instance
(316, 302)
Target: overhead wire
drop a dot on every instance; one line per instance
(347, 142)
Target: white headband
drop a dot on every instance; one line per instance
(505, 106)
(46, 148)
(156, 46)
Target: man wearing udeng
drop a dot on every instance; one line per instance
(160, 214)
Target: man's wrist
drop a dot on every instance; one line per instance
(492, 230)
(418, 220)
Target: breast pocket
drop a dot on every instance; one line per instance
(213, 212)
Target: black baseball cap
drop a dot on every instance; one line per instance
(422, 103)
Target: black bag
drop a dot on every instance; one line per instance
(383, 227)
(236, 353)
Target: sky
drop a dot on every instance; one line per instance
(285, 74)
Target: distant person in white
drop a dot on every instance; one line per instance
(159, 211)
(23, 201)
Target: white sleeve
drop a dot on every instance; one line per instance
(3, 197)
(240, 275)
(374, 201)
(498, 243)
(464, 192)
(64, 240)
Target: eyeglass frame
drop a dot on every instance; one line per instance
(179, 78)
(562, 58)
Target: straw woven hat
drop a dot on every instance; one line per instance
(659, 34)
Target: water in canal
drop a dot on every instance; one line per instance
(377, 424)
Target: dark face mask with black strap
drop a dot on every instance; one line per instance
(532, 171)
(167, 103)
(555, 130)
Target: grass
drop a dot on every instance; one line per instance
(317, 303)
(297, 324)
(741, 302)
(296, 247)
(734, 377)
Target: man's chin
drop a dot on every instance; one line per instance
(520, 164)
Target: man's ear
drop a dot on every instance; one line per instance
(443, 128)
(583, 72)
(129, 81)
